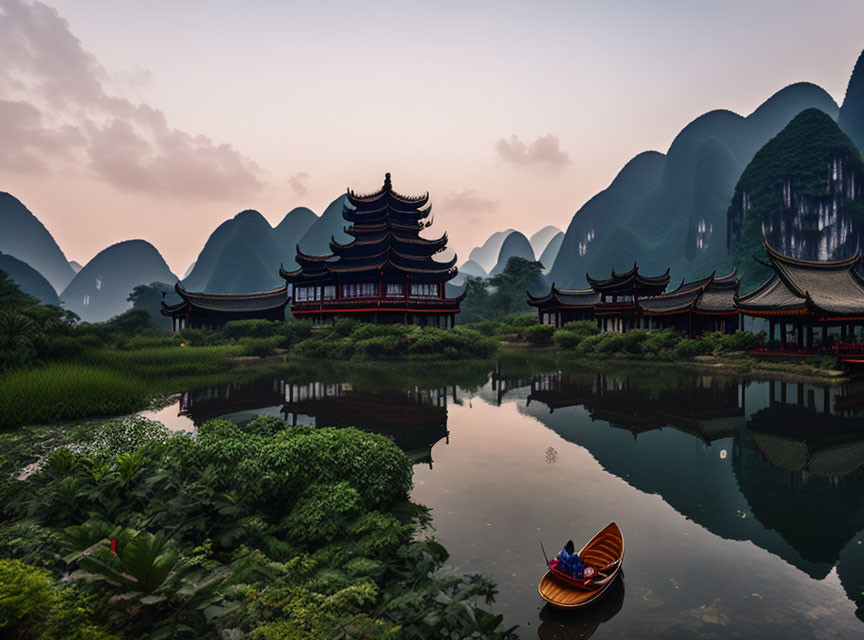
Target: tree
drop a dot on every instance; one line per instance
(11, 296)
(148, 297)
(520, 275)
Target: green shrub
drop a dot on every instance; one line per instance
(237, 329)
(295, 330)
(688, 349)
(521, 319)
(632, 341)
(322, 514)
(261, 347)
(296, 458)
(27, 594)
(573, 333)
(539, 335)
(741, 341)
(488, 327)
(150, 342)
(345, 327)
(659, 340)
(195, 337)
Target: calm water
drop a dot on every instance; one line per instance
(742, 503)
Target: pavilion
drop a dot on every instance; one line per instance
(210, 311)
(695, 307)
(804, 295)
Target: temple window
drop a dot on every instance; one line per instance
(424, 290)
(395, 289)
(360, 290)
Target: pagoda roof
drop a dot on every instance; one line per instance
(386, 194)
(581, 298)
(628, 280)
(260, 301)
(386, 240)
(797, 455)
(799, 287)
(708, 295)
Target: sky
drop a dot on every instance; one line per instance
(160, 120)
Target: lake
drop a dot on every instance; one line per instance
(741, 501)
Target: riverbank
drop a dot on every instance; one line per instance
(742, 364)
(264, 531)
(104, 383)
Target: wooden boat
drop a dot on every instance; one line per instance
(604, 552)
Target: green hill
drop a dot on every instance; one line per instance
(241, 256)
(669, 210)
(316, 240)
(29, 280)
(804, 190)
(851, 118)
(26, 238)
(100, 290)
(516, 245)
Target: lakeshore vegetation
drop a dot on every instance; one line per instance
(118, 528)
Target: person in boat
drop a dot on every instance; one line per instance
(569, 563)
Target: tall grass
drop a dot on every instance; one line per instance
(156, 362)
(67, 391)
(106, 382)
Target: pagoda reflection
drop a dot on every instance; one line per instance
(704, 406)
(415, 418)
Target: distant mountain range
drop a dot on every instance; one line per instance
(491, 257)
(670, 210)
(661, 210)
(515, 245)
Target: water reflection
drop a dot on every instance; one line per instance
(776, 465)
(416, 419)
(556, 624)
(785, 459)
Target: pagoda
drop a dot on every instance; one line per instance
(386, 274)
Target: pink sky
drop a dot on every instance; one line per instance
(160, 120)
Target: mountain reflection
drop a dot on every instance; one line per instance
(775, 463)
(778, 464)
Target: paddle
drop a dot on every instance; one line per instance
(545, 557)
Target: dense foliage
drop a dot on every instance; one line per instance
(801, 153)
(665, 344)
(503, 294)
(149, 298)
(267, 531)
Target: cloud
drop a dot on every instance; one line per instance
(298, 183)
(545, 151)
(57, 108)
(469, 201)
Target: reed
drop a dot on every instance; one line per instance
(67, 391)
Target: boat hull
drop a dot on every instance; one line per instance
(561, 595)
(605, 552)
